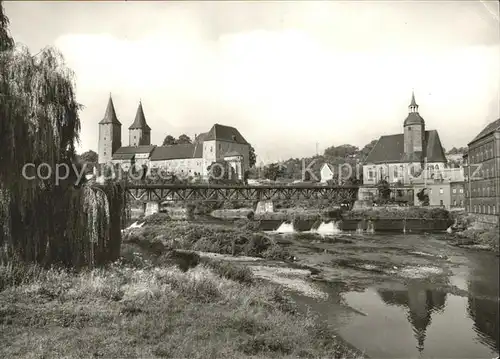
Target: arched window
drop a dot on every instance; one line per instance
(436, 167)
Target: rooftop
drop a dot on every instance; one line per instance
(110, 114)
(390, 149)
(491, 127)
(140, 120)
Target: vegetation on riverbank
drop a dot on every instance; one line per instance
(205, 237)
(135, 308)
(396, 212)
(470, 232)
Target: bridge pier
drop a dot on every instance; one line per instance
(151, 207)
(264, 207)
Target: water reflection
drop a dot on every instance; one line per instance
(483, 301)
(420, 304)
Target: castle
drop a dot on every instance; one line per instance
(220, 143)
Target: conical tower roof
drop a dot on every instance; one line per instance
(413, 117)
(140, 120)
(110, 114)
(413, 103)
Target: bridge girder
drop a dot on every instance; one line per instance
(186, 193)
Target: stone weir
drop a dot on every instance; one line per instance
(273, 222)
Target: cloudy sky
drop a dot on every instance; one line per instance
(288, 75)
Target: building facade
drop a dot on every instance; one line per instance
(402, 158)
(483, 172)
(457, 194)
(220, 143)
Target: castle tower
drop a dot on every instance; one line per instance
(110, 134)
(414, 133)
(139, 131)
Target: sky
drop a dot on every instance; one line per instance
(292, 77)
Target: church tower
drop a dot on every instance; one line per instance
(414, 133)
(139, 131)
(110, 134)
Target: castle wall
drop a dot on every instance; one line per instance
(181, 167)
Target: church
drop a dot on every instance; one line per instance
(220, 143)
(399, 157)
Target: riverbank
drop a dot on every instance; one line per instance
(467, 232)
(158, 302)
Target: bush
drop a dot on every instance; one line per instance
(205, 237)
(157, 218)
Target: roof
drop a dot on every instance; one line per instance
(413, 103)
(223, 133)
(414, 118)
(390, 149)
(140, 120)
(110, 114)
(233, 154)
(134, 149)
(183, 151)
(491, 127)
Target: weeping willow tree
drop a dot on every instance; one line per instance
(44, 221)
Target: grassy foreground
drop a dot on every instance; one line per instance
(145, 307)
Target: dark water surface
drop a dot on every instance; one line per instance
(414, 297)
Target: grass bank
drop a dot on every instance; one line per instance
(137, 309)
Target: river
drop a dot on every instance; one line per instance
(403, 296)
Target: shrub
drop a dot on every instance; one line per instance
(157, 218)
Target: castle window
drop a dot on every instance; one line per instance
(461, 190)
(104, 153)
(441, 191)
(454, 190)
(104, 138)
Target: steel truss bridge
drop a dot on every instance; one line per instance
(227, 193)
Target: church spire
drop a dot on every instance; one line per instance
(110, 114)
(413, 104)
(140, 120)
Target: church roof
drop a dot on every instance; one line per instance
(414, 118)
(140, 120)
(162, 153)
(110, 114)
(413, 103)
(222, 133)
(491, 127)
(390, 149)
